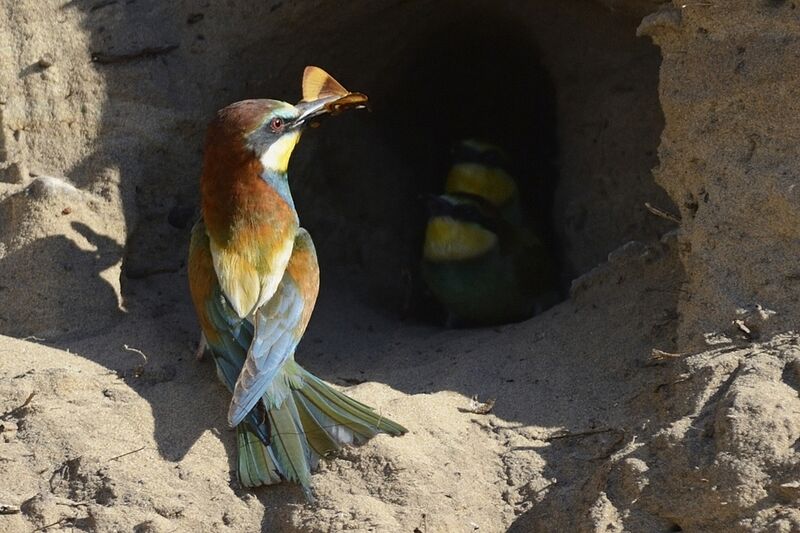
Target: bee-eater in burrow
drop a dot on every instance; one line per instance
(482, 259)
(254, 279)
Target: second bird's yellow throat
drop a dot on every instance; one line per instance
(448, 239)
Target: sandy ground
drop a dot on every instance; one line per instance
(121, 429)
(589, 432)
(124, 430)
(111, 440)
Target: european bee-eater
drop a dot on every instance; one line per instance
(482, 259)
(254, 279)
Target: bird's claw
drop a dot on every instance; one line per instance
(201, 348)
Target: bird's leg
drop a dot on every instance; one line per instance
(201, 347)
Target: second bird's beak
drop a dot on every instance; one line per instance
(331, 104)
(438, 206)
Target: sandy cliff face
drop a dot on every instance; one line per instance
(54, 228)
(727, 156)
(106, 421)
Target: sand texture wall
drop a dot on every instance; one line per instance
(727, 158)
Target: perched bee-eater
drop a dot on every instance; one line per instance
(482, 259)
(254, 278)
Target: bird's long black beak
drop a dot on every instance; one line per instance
(331, 104)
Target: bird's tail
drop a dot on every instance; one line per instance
(308, 419)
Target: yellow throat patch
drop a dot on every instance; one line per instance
(277, 156)
(447, 239)
(492, 184)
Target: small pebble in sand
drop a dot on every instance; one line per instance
(46, 61)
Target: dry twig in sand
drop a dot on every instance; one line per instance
(138, 370)
(479, 408)
(6, 508)
(658, 357)
(661, 213)
(104, 58)
(57, 523)
(127, 453)
(569, 434)
(15, 411)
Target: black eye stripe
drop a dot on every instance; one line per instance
(471, 213)
(465, 212)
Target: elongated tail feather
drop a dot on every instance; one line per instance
(256, 466)
(289, 445)
(312, 421)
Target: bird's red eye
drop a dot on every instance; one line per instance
(276, 124)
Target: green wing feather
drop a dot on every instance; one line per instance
(300, 419)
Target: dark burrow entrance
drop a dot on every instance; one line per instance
(480, 79)
(564, 87)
